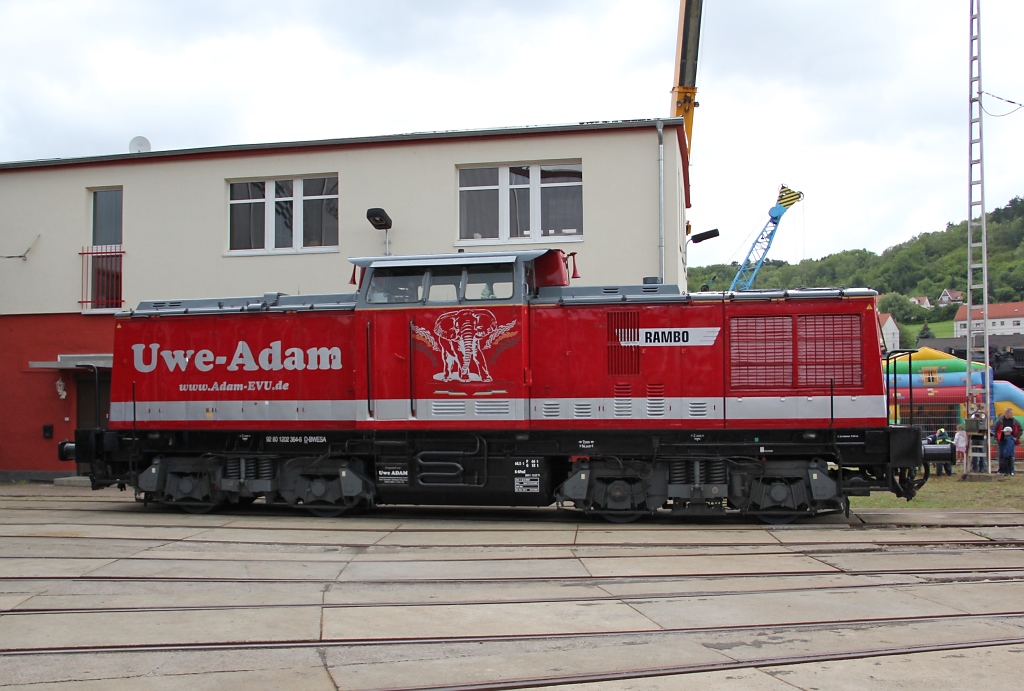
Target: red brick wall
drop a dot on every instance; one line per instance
(29, 396)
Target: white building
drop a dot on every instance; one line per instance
(949, 295)
(1006, 318)
(890, 331)
(91, 236)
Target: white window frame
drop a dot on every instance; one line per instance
(536, 233)
(270, 217)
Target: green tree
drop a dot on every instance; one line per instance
(907, 339)
(923, 265)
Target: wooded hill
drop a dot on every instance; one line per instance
(924, 265)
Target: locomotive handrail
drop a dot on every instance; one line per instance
(316, 306)
(412, 378)
(369, 371)
(657, 298)
(590, 299)
(755, 296)
(890, 380)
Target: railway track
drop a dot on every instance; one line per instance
(765, 659)
(428, 599)
(987, 576)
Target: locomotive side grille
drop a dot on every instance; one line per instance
(551, 409)
(829, 349)
(623, 327)
(622, 404)
(582, 410)
(656, 400)
(761, 352)
(448, 408)
(698, 409)
(499, 408)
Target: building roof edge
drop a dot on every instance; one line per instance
(319, 144)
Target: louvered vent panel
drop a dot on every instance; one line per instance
(448, 408)
(829, 350)
(698, 409)
(623, 327)
(622, 404)
(656, 406)
(493, 408)
(583, 410)
(551, 409)
(760, 352)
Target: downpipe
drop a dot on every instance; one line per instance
(661, 202)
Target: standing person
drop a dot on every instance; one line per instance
(940, 437)
(1008, 433)
(960, 442)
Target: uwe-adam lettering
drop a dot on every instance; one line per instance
(271, 359)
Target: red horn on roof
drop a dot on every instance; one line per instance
(575, 271)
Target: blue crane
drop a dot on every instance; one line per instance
(759, 250)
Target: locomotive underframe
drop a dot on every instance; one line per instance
(776, 474)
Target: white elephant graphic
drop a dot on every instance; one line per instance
(461, 336)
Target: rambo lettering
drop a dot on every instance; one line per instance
(699, 336)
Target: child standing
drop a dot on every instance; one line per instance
(1006, 449)
(960, 442)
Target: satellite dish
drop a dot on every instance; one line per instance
(139, 145)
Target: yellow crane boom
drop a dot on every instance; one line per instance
(684, 92)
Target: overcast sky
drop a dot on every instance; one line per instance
(862, 105)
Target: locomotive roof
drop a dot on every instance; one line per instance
(268, 302)
(449, 259)
(647, 293)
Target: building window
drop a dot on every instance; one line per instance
(516, 203)
(269, 216)
(107, 217)
(102, 261)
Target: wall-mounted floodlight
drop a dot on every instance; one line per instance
(706, 235)
(380, 220)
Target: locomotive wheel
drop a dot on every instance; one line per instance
(323, 509)
(622, 517)
(779, 518)
(196, 507)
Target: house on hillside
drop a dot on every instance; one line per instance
(890, 331)
(88, 237)
(1006, 318)
(948, 296)
(921, 300)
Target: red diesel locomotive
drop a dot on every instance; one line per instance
(486, 379)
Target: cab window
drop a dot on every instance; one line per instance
(489, 282)
(395, 286)
(444, 284)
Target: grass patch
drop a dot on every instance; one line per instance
(940, 329)
(952, 493)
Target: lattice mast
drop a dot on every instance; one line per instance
(978, 393)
